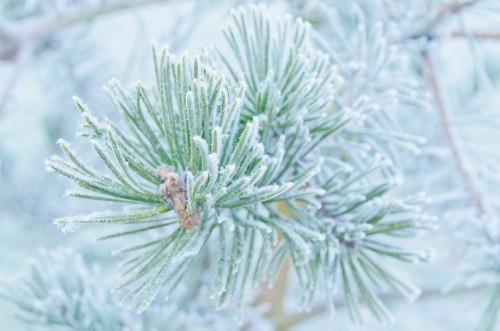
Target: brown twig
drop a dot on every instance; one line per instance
(295, 319)
(10, 43)
(430, 75)
(491, 35)
(276, 295)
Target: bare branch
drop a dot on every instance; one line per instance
(10, 42)
(444, 12)
(493, 35)
(276, 296)
(42, 28)
(16, 37)
(430, 75)
(13, 35)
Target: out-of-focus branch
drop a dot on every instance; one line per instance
(276, 296)
(10, 85)
(16, 38)
(430, 75)
(10, 42)
(14, 35)
(42, 28)
(444, 11)
(295, 319)
(493, 35)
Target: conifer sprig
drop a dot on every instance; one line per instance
(186, 154)
(223, 155)
(60, 290)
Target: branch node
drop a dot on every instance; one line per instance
(174, 189)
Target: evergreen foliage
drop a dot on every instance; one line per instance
(274, 171)
(224, 150)
(482, 269)
(61, 291)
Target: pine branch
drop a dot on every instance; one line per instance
(59, 290)
(220, 142)
(213, 175)
(355, 205)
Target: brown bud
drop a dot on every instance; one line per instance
(163, 171)
(164, 189)
(173, 188)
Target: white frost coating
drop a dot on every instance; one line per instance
(66, 226)
(251, 163)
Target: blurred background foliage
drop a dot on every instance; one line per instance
(51, 50)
